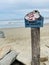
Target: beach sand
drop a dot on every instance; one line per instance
(20, 40)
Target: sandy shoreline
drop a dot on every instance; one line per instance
(20, 40)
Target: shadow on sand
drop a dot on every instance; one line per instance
(16, 62)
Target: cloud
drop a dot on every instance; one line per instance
(12, 1)
(22, 4)
(23, 1)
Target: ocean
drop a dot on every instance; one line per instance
(16, 18)
(16, 23)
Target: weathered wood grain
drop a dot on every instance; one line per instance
(9, 58)
(35, 40)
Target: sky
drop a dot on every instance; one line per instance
(13, 9)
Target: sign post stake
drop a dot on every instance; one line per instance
(35, 42)
(35, 21)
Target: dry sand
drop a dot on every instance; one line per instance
(20, 41)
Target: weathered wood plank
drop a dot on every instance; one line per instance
(9, 58)
(35, 40)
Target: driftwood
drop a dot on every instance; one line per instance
(4, 50)
(35, 40)
(9, 58)
(2, 34)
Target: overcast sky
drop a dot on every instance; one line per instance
(11, 8)
(24, 4)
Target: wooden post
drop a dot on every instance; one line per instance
(35, 40)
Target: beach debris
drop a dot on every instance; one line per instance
(2, 34)
(4, 50)
(9, 58)
(43, 59)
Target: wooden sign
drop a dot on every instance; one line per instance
(33, 19)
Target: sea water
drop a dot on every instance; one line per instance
(16, 23)
(16, 19)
